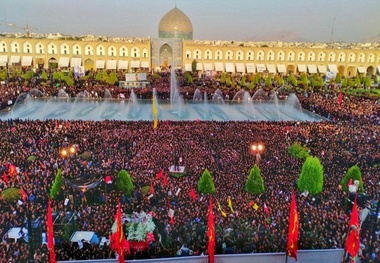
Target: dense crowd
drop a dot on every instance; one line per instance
(352, 137)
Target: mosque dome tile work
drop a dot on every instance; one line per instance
(175, 24)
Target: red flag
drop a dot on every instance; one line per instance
(349, 182)
(118, 242)
(50, 234)
(193, 195)
(165, 182)
(108, 179)
(211, 233)
(5, 177)
(340, 98)
(151, 188)
(266, 209)
(353, 242)
(293, 229)
(12, 169)
(24, 196)
(160, 174)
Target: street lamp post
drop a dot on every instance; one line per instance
(256, 149)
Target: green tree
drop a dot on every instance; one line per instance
(56, 76)
(57, 185)
(354, 174)
(223, 78)
(268, 81)
(124, 183)
(98, 76)
(299, 151)
(28, 75)
(255, 183)
(206, 183)
(112, 79)
(367, 82)
(188, 78)
(338, 78)
(311, 177)
(194, 66)
(11, 195)
(281, 81)
(345, 83)
(228, 82)
(357, 82)
(242, 81)
(44, 76)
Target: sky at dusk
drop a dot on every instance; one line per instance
(241, 20)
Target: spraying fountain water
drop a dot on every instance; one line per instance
(245, 104)
(107, 94)
(197, 95)
(176, 100)
(62, 94)
(133, 107)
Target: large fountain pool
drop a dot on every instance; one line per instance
(134, 110)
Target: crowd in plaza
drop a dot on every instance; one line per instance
(350, 137)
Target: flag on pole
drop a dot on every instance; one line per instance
(353, 241)
(293, 229)
(193, 195)
(221, 210)
(5, 177)
(160, 174)
(151, 190)
(165, 181)
(50, 234)
(24, 196)
(266, 209)
(108, 179)
(340, 98)
(118, 241)
(230, 204)
(211, 233)
(155, 114)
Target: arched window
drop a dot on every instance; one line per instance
(361, 57)
(239, 55)
(301, 56)
(270, 55)
(123, 51)
(52, 48)
(3, 47)
(291, 56)
(229, 54)
(64, 49)
(208, 54)
(40, 49)
(332, 56)
(135, 52)
(188, 54)
(321, 57)
(351, 57)
(311, 56)
(88, 50)
(281, 55)
(111, 51)
(342, 57)
(15, 47)
(100, 50)
(197, 54)
(250, 55)
(260, 55)
(77, 50)
(27, 48)
(145, 53)
(219, 55)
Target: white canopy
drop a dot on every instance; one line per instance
(271, 68)
(3, 61)
(281, 68)
(240, 67)
(322, 69)
(332, 68)
(250, 68)
(312, 69)
(15, 59)
(145, 64)
(111, 64)
(76, 62)
(208, 66)
(123, 64)
(230, 67)
(188, 67)
(260, 67)
(302, 68)
(135, 64)
(219, 66)
(361, 70)
(63, 62)
(199, 66)
(99, 64)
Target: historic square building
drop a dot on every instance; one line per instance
(175, 47)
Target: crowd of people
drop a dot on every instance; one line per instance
(350, 137)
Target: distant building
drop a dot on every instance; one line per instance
(175, 47)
